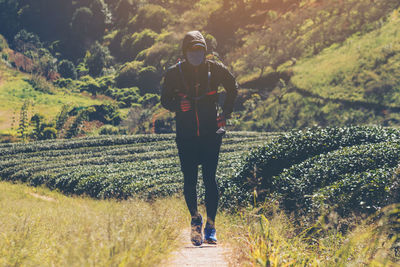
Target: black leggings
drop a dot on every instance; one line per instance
(202, 151)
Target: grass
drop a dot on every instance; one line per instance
(44, 228)
(359, 57)
(267, 237)
(14, 90)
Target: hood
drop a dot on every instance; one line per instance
(191, 38)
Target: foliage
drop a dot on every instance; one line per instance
(62, 117)
(143, 166)
(67, 69)
(23, 120)
(108, 130)
(74, 129)
(266, 236)
(128, 74)
(40, 84)
(97, 59)
(152, 17)
(132, 45)
(25, 42)
(41, 129)
(3, 43)
(369, 167)
(333, 151)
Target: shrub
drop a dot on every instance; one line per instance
(298, 184)
(67, 69)
(364, 192)
(262, 164)
(148, 80)
(63, 83)
(128, 75)
(149, 100)
(109, 130)
(105, 113)
(39, 83)
(88, 84)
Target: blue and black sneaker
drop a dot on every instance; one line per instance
(210, 234)
(196, 230)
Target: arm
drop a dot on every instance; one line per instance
(231, 88)
(169, 99)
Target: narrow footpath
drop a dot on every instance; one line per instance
(204, 255)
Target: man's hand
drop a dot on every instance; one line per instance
(185, 104)
(221, 121)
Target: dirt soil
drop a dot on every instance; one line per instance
(204, 255)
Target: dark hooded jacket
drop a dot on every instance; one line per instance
(180, 80)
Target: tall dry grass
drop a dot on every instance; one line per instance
(43, 228)
(268, 237)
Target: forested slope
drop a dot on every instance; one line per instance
(118, 51)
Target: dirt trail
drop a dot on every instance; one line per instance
(204, 255)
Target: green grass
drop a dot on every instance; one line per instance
(342, 71)
(14, 90)
(44, 228)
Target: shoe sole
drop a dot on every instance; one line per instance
(211, 242)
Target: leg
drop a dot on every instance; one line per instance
(209, 160)
(188, 158)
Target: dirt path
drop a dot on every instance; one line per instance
(204, 255)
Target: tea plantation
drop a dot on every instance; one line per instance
(144, 166)
(350, 169)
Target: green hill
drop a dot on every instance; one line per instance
(301, 62)
(15, 90)
(354, 82)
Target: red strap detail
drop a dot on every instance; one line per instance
(211, 93)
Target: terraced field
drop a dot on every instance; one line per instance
(144, 166)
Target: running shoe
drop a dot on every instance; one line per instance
(196, 231)
(210, 234)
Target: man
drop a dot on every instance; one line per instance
(190, 90)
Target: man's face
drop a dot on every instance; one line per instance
(195, 55)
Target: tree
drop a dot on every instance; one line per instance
(124, 10)
(25, 41)
(152, 17)
(133, 44)
(98, 58)
(41, 129)
(81, 23)
(10, 24)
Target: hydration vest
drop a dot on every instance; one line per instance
(185, 84)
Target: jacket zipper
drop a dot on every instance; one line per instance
(195, 104)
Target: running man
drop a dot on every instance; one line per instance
(190, 90)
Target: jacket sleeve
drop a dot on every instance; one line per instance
(231, 88)
(169, 99)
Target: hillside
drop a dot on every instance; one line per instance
(15, 90)
(272, 47)
(354, 82)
